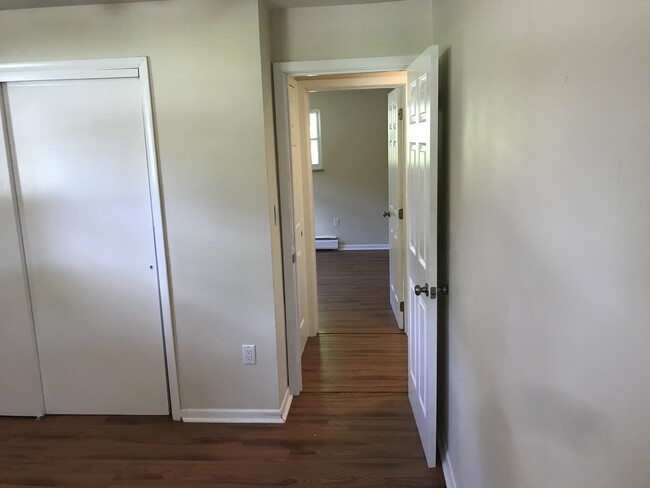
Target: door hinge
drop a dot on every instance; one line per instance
(401, 306)
(400, 114)
(400, 214)
(293, 258)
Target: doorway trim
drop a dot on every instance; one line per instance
(281, 73)
(134, 67)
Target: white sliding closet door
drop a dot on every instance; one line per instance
(81, 163)
(20, 382)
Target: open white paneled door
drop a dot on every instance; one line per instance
(299, 259)
(292, 217)
(396, 203)
(80, 146)
(421, 223)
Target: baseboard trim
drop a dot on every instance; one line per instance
(363, 247)
(231, 416)
(447, 468)
(286, 405)
(239, 415)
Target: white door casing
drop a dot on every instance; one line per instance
(283, 73)
(395, 203)
(87, 199)
(421, 223)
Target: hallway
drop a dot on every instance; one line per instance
(358, 362)
(351, 427)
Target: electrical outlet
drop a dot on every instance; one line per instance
(337, 222)
(248, 354)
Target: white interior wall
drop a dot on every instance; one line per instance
(354, 184)
(209, 108)
(351, 31)
(547, 127)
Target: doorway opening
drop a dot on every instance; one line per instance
(419, 76)
(297, 183)
(355, 139)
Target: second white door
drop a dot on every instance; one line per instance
(396, 205)
(299, 257)
(81, 169)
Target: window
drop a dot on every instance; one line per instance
(315, 140)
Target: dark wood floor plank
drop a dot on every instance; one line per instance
(351, 427)
(353, 294)
(355, 362)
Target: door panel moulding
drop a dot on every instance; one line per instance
(135, 67)
(362, 73)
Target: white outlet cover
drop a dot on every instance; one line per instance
(337, 222)
(248, 354)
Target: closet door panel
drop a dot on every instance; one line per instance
(20, 383)
(82, 168)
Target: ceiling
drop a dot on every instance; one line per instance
(276, 4)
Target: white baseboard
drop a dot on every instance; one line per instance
(363, 247)
(286, 405)
(326, 242)
(447, 468)
(231, 416)
(239, 415)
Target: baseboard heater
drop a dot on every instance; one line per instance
(327, 242)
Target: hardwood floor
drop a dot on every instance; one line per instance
(352, 426)
(355, 362)
(353, 293)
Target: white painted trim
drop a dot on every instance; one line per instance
(330, 243)
(239, 415)
(343, 66)
(281, 73)
(70, 70)
(39, 76)
(124, 68)
(363, 81)
(364, 247)
(93, 64)
(447, 468)
(232, 416)
(292, 329)
(160, 242)
(286, 405)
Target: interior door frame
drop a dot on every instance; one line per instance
(281, 74)
(133, 67)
